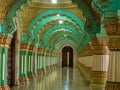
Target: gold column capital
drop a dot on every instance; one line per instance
(5, 41)
(24, 46)
(114, 43)
(100, 46)
(87, 51)
(112, 26)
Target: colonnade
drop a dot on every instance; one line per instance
(31, 62)
(99, 64)
(35, 63)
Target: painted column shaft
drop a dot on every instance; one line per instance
(3, 66)
(23, 66)
(114, 67)
(100, 62)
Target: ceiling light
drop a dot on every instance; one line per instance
(58, 15)
(65, 35)
(60, 22)
(54, 1)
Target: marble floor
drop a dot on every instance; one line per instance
(60, 79)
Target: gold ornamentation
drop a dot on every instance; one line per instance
(31, 48)
(34, 9)
(26, 79)
(113, 29)
(51, 5)
(87, 51)
(100, 42)
(4, 88)
(100, 46)
(100, 74)
(40, 50)
(112, 86)
(24, 46)
(5, 6)
(4, 40)
(101, 50)
(114, 43)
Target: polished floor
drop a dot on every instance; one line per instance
(60, 79)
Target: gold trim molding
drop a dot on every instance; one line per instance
(87, 51)
(24, 46)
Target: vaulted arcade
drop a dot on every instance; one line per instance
(34, 32)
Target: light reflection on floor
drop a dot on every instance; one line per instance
(61, 79)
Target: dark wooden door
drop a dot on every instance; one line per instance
(65, 58)
(11, 63)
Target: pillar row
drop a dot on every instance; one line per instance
(4, 45)
(100, 62)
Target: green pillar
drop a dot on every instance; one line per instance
(23, 77)
(38, 63)
(4, 45)
(42, 62)
(3, 67)
(30, 68)
(23, 63)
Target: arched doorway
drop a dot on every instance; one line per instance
(67, 57)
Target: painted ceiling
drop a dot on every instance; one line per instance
(51, 25)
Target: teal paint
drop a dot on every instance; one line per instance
(11, 17)
(3, 66)
(23, 64)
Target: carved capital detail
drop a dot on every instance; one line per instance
(112, 86)
(5, 41)
(100, 74)
(24, 46)
(100, 42)
(40, 50)
(87, 51)
(100, 46)
(114, 43)
(112, 26)
(101, 50)
(31, 48)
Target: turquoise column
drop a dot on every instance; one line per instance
(30, 64)
(39, 63)
(4, 45)
(3, 67)
(47, 67)
(23, 63)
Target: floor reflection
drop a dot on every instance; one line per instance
(61, 79)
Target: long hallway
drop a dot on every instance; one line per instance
(60, 79)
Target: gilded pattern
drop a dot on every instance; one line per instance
(5, 6)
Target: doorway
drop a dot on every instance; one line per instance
(11, 62)
(67, 57)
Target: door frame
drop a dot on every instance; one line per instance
(65, 60)
(59, 55)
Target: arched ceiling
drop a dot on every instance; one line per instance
(53, 25)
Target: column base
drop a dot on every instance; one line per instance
(97, 87)
(4, 88)
(26, 79)
(31, 76)
(112, 86)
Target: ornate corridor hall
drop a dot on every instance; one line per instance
(40, 38)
